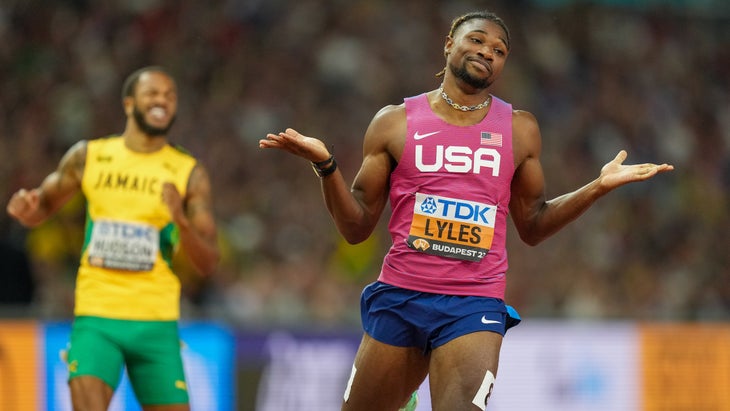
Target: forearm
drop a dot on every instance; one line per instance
(202, 250)
(32, 207)
(30, 221)
(561, 211)
(348, 214)
(33, 218)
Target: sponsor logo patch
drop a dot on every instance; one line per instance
(450, 227)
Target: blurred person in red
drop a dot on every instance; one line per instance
(453, 162)
(145, 198)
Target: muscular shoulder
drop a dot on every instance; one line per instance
(75, 158)
(387, 130)
(70, 169)
(389, 120)
(526, 140)
(199, 182)
(78, 148)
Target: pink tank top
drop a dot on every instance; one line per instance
(449, 197)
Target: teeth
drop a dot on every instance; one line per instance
(158, 112)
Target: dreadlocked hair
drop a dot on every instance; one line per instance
(485, 15)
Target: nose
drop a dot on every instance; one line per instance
(160, 98)
(486, 52)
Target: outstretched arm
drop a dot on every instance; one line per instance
(536, 218)
(193, 216)
(356, 209)
(34, 206)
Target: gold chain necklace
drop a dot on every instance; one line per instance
(450, 102)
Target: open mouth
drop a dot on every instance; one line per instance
(158, 113)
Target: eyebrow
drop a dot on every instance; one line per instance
(486, 33)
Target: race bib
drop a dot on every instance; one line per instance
(123, 245)
(453, 228)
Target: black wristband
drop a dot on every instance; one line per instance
(320, 164)
(322, 171)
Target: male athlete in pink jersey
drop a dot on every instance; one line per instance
(452, 162)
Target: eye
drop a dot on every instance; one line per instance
(476, 40)
(499, 52)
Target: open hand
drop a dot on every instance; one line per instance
(615, 173)
(293, 142)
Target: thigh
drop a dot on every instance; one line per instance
(90, 393)
(94, 352)
(154, 365)
(462, 371)
(384, 376)
(172, 407)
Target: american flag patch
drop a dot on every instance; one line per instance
(491, 139)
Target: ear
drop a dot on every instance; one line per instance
(447, 45)
(128, 104)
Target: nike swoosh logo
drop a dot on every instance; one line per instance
(420, 136)
(486, 321)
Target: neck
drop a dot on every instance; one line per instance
(143, 143)
(458, 106)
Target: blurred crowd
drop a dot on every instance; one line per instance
(599, 78)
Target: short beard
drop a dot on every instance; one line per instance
(149, 129)
(463, 75)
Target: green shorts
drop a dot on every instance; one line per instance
(150, 350)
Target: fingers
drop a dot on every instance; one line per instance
(657, 167)
(283, 135)
(168, 188)
(12, 207)
(23, 202)
(173, 200)
(170, 193)
(645, 171)
(621, 156)
(279, 140)
(660, 168)
(270, 141)
(292, 141)
(291, 132)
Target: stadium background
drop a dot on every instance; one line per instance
(627, 304)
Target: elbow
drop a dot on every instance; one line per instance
(531, 237)
(210, 266)
(209, 271)
(353, 239)
(353, 233)
(355, 236)
(531, 241)
(30, 224)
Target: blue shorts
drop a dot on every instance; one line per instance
(407, 318)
